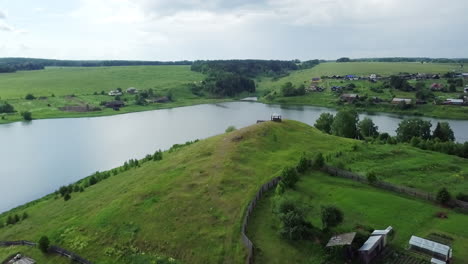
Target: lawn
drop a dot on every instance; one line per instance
(363, 88)
(362, 206)
(190, 205)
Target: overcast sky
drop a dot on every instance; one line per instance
(227, 29)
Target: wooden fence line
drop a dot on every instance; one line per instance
(52, 249)
(389, 186)
(252, 204)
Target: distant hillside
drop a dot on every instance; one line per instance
(190, 205)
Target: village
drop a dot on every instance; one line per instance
(435, 83)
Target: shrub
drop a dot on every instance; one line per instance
(158, 155)
(230, 129)
(289, 177)
(26, 115)
(462, 197)
(371, 177)
(44, 244)
(331, 216)
(25, 215)
(29, 97)
(293, 223)
(304, 164)
(319, 161)
(443, 196)
(67, 197)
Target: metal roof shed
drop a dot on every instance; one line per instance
(436, 261)
(371, 248)
(437, 250)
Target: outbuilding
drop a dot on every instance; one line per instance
(401, 100)
(371, 249)
(276, 117)
(431, 248)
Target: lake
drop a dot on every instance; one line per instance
(40, 156)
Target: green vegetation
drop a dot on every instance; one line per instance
(83, 90)
(363, 207)
(190, 204)
(374, 96)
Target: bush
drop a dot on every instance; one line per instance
(158, 155)
(443, 196)
(29, 97)
(67, 197)
(6, 108)
(293, 223)
(331, 217)
(44, 244)
(462, 197)
(289, 177)
(230, 129)
(319, 161)
(371, 177)
(304, 164)
(26, 115)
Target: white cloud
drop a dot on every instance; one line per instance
(2, 15)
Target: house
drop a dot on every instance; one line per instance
(314, 88)
(352, 77)
(451, 101)
(116, 105)
(464, 75)
(401, 100)
(465, 90)
(371, 248)
(132, 90)
(373, 77)
(276, 117)
(436, 250)
(437, 87)
(115, 93)
(316, 79)
(349, 97)
(336, 88)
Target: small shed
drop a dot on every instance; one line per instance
(371, 249)
(384, 233)
(431, 248)
(20, 259)
(465, 89)
(349, 97)
(436, 261)
(276, 117)
(401, 100)
(343, 241)
(452, 101)
(132, 90)
(437, 87)
(316, 79)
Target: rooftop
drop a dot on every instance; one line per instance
(341, 240)
(370, 243)
(430, 245)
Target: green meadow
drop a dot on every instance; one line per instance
(190, 205)
(330, 99)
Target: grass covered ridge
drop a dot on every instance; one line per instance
(188, 206)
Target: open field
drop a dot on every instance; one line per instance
(190, 205)
(363, 206)
(330, 99)
(76, 86)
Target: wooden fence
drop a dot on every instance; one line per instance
(52, 249)
(252, 204)
(390, 187)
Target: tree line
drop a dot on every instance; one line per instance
(414, 131)
(27, 64)
(414, 59)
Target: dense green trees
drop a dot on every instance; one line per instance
(26, 115)
(247, 68)
(443, 132)
(288, 89)
(399, 83)
(6, 108)
(343, 59)
(367, 128)
(324, 122)
(293, 223)
(345, 124)
(413, 127)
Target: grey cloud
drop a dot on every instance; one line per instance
(5, 27)
(2, 15)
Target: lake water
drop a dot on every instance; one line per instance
(40, 156)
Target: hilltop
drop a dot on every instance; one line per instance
(189, 205)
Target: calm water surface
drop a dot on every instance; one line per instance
(38, 157)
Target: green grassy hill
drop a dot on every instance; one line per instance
(190, 205)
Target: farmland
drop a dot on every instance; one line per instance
(329, 98)
(189, 206)
(56, 87)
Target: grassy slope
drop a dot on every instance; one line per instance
(361, 205)
(188, 206)
(329, 98)
(84, 82)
